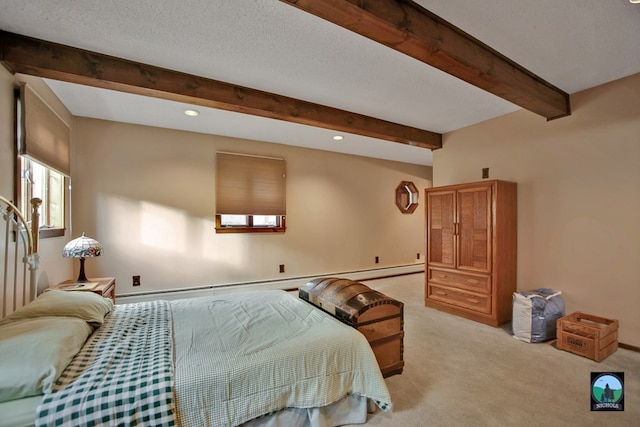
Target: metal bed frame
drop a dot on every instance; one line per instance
(20, 255)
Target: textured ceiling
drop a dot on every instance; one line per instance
(271, 46)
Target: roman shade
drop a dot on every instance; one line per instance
(42, 135)
(250, 185)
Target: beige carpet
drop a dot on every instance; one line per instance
(462, 373)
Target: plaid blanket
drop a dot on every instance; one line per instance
(123, 375)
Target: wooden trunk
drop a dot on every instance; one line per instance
(378, 317)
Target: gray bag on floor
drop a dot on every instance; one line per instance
(535, 314)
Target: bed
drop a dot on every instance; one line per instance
(253, 359)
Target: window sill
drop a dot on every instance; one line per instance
(229, 230)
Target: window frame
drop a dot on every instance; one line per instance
(250, 228)
(247, 186)
(23, 159)
(24, 194)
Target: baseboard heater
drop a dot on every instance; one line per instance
(289, 283)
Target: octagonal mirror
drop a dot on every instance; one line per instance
(407, 197)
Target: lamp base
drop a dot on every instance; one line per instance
(82, 278)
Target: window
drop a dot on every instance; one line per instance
(250, 194)
(47, 184)
(42, 143)
(407, 197)
(250, 223)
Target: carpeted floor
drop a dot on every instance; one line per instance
(462, 373)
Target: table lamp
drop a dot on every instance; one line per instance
(82, 247)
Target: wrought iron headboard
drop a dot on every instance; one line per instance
(20, 256)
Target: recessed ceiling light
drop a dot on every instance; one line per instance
(338, 137)
(191, 113)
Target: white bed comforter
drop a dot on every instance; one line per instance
(261, 352)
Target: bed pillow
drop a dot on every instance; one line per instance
(36, 351)
(88, 306)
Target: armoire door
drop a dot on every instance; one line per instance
(473, 229)
(441, 227)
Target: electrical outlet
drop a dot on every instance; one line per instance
(377, 260)
(136, 281)
(418, 255)
(485, 173)
(281, 268)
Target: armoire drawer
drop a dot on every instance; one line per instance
(472, 301)
(475, 283)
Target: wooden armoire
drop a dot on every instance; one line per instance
(471, 250)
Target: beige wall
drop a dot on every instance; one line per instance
(148, 195)
(578, 196)
(53, 268)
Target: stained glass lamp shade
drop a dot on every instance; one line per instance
(82, 247)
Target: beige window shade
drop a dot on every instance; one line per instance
(250, 185)
(42, 134)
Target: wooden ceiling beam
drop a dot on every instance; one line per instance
(26, 55)
(409, 28)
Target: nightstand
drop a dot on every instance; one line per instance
(106, 287)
